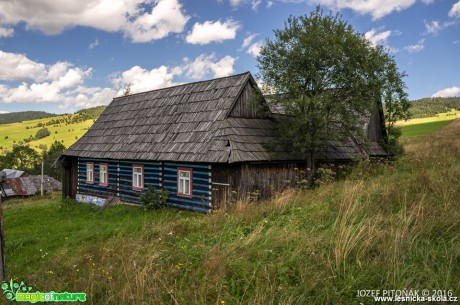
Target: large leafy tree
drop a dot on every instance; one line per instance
(22, 158)
(50, 157)
(327, 78)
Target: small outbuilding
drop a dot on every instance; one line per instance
(206, 143)
(20, 184)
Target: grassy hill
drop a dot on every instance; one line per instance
(385, 226)
(65, 128)
(423, 126)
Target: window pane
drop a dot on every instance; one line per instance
(187, 188)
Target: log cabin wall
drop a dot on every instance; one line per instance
(246, 181)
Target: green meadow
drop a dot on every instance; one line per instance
(67, 133)
(423, 126)
(385, 225)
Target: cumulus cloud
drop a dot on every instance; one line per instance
(415, 47)
(39, 82)
(6, 32)
(203, 66)
(64, 83)
(165, 18)
(376, 8)
(209, 65)
(447, 92)
(207, 32)
(428, 1)
(455, 10)
(139, 20)
(141, 79)
(16, 67)
(84, 97)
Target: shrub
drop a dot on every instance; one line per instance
(42, 133)
(153, 199)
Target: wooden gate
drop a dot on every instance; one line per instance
(220, 195)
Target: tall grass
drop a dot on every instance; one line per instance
(386, 226)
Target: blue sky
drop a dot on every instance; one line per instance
(63, 55)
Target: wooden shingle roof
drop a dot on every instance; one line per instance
(184, 123)
(181, 123)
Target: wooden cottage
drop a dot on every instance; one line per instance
(204, 142)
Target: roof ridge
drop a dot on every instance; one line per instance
(185, 84)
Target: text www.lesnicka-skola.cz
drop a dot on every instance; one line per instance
(407, 295)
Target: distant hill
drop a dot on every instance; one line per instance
(429, 107)
(65, 128)
(14, 117)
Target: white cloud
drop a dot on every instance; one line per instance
(145, 80)
(139, 20)
(433, 27)
(84, 97)
(205, 65)
(166, 17)
(17, 67)
(416, 47)
(428, 1)
(94, 44)
(376, 8)
(47, 82)
(64, 83)
(455, 10)
(254, 49)
(142, 79)
(378, 38)
(254, 3)
(447, 92)
(247, 41)
(3, 112)
(204, 33)
(6, 32)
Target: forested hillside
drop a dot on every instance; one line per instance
(428, 107)
(14, 117)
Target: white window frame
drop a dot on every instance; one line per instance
(90, 172)
(184, 184)
(138, 184)
(103, 174)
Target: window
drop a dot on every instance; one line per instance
(103, 174)
(138, 177)
(90, 172)
(184, 182)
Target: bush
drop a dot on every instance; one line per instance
(42, 133)
(153, 199)
(393, 147)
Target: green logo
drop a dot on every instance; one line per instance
(20, 292)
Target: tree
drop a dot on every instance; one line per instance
(127, 90)
(50, 156)
(22, 158)
(42, 133)
(327, 78)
